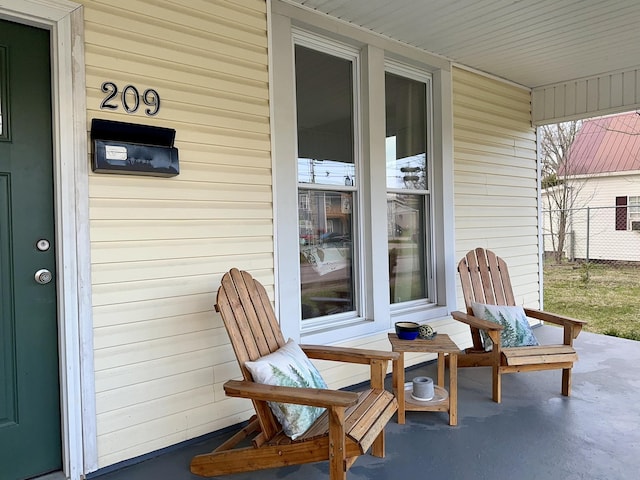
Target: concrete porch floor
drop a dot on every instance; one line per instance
(535, 433)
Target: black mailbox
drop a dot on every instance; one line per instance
(133, 149)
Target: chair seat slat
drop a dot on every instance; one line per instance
(358, 418)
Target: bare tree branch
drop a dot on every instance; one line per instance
(561, 190)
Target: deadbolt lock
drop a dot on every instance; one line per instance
(43, 276)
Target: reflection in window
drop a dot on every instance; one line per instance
(327, 172)
(407, 187)
(406, 236)
(406, 137)
(324, 105)
(326, 182)
(326, 252)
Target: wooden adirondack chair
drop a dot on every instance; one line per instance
(352, 423)
(485, 279)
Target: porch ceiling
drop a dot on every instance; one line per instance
(530, 42)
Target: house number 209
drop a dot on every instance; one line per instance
(130, 98)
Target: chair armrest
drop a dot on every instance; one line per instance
(572, 326)
(345, 354)
(475, 321)
(314, 397)
(553, 317)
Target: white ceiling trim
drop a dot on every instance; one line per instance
(599, 95)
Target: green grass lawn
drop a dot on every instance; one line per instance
(608, 297)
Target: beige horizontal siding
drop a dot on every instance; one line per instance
(496, 177)
(141, 230)
(159, 246)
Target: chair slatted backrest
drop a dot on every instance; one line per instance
(485, 279)
(253, 329)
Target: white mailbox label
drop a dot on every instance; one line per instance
(115, 152)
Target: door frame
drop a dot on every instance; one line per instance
(65, 20)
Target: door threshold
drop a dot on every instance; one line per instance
(52, 476)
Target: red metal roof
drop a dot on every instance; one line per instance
(606, 144)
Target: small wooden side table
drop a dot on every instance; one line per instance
(442, 402)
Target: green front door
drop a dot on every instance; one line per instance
(30, 438)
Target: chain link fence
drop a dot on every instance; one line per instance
(592, 268)
(591, 234)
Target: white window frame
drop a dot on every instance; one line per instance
(359, 314)
(407, 71)
(633, 209)
(376, 315)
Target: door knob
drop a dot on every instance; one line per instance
(43, 276)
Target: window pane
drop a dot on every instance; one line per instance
(407, 169)
(326, 252)
(406, 134)
(324, 101)
(634, 207)
(407, 236)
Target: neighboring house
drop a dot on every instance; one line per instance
(604, 177)
(110, 345)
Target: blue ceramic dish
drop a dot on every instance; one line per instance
(407, 330)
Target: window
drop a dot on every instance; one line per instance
(363, 197)
(628, 213)
(326, 177)
(634, 213)
(407, 185)
(621, 213)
